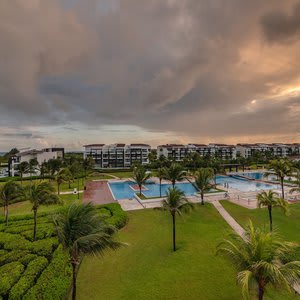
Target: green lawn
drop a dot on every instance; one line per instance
(148, 269)
(22, 208)
(287, 226)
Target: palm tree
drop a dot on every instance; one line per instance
(23, 168)
(64, 175)
(33, 166)
(88, 165)
(41, 194)
(45, 169)
(174, 173)
(297, 182)
(160, 175)
(140, 176)
(270, 199)
(281, 168)
(262, 258)
(203, 179)
(81, 231)
(176, 203)
(9, 192)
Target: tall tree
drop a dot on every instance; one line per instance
(297, 183)
(282, 168)
(23, 168)
(160, 174)
(54, 165)
(270, 199)
(174, 173)
(10, 192)
(140, 176)
(81, 231)
(261, 259)
(203, 178)
(33, 167)
(41, 194)
(176, 203)
(63, 175)
(45, 169)
(88, 165)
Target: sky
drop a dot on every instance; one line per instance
(76, 72)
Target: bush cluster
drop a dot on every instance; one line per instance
(118, 217)
(33, 270)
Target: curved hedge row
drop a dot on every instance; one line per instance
(40, 269)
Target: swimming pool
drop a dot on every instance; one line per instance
(244, 185)
(123, 190)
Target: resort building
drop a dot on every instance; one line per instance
(117, 155)
(281, 150)
(40, 155)
(178, 152)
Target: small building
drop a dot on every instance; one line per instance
(41, 156)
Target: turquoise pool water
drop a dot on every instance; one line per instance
(123, 190)
(244, 185)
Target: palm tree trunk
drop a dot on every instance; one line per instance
(21, 178)
(58, 188)
(74, 265)
(174, 233)
(173, 183)
(160, 188)
(282, 188)
(261, 292)
(34, 224)
(6, 214)
(270, 218)
(202, 198)
(78, 187)
(140, 187)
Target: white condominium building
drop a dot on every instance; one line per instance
(40, 155)
(178, 152)
(281, 150)
(117, 155)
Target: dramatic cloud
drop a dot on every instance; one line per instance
(174, 70)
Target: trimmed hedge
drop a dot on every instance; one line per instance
(9, 274)
(34, 269)
(12, 256)
(118, 217)
(54, 282)
(25, 260)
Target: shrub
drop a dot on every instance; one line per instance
(44, 247)
(34, 269)
(9, 274)
(25, 260)
(11, 256)
(118, 217)
(54, 280)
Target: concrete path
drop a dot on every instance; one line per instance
(229, 219)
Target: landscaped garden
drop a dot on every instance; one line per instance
(39, 269)
(149, 269)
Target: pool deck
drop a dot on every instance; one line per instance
(98, 192)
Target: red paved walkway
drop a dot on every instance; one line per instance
(97, 192)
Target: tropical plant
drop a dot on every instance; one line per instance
(176, 203)
(87, 165)
(160, 174)
(297, 182)
(270, 199)
(140, 175)
(281, 168)
(64, 175)
(203, 179)
(81, 231)
(10, 192)
(54, 165)
(261, 258)
(174, 173)
(41, 194)
(23, 168)
(33, 166)
(45, 169)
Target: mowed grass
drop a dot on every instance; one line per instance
(287, 226)
(24, 207)
(148, 268)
